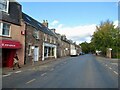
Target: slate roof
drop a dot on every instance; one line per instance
(29, 20)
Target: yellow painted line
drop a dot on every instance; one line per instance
(30, 81)
(115, 72)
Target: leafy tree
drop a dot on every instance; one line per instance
(106, 36)
(87, 47)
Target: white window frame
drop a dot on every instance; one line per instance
(54, 40)
(7, 7)
(45, 37)
(50, 39)
(37, 33)
(1, 29)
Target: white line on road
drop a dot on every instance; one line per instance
(52, 69)
(30, 81)
(115, 72)
(110, 68)
(43, 74)
(6, 75)
(106, 65)
(18, 71)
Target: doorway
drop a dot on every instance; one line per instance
(36, 53)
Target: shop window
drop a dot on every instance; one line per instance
(52, 51)
(4, 4)
(49, 49)
(4, 29)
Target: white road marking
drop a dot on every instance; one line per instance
(115, 72)
(43, 74)
(30, 81)
(115, 64)
(6, 75)
(52, 69)
(110, 68)
(18, 71)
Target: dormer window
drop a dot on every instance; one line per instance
(4, 4)
(36, 34)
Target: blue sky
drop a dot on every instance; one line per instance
(65, 16)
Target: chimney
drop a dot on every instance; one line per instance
(53, 30)
(45, 23)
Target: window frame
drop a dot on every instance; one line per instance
(6, 8)
(45, 37)
(1, 29)
(36, 32)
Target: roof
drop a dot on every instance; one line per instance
(29, 20)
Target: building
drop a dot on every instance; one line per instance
(63, 46)
(12, 36)
(78, 49)
(40, 41)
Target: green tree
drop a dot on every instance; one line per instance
(106, 36)
(87, 47)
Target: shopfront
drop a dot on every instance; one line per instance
(49, 51)
(8, 49)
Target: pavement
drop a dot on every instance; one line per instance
(6, 71)
(85, 71)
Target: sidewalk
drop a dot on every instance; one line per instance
(6, 70)
(112, 60)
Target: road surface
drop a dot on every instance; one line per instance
(85, 71)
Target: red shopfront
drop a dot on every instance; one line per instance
(9, 48)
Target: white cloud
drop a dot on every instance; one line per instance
(115, 23)
(55, 22)
(78, 33)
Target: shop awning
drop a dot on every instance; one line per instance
(10, 44)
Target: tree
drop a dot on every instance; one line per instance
(87, 47)
(106, 36)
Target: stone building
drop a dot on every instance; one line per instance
(40, 41)
(63, 48)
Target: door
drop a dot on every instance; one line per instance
(36, 53)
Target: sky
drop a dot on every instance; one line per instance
(77, 20)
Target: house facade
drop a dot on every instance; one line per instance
(12, 36)
(63, 48)
(40, 41)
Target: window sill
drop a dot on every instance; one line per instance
(5, 36)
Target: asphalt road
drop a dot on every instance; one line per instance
(86, 71)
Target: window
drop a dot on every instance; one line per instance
(50, 39)
(36, 34)
(29, 50)
(4, 29)
(4, 4)
(54, 40)
(45, 36)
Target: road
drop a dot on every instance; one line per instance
(86, 71)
